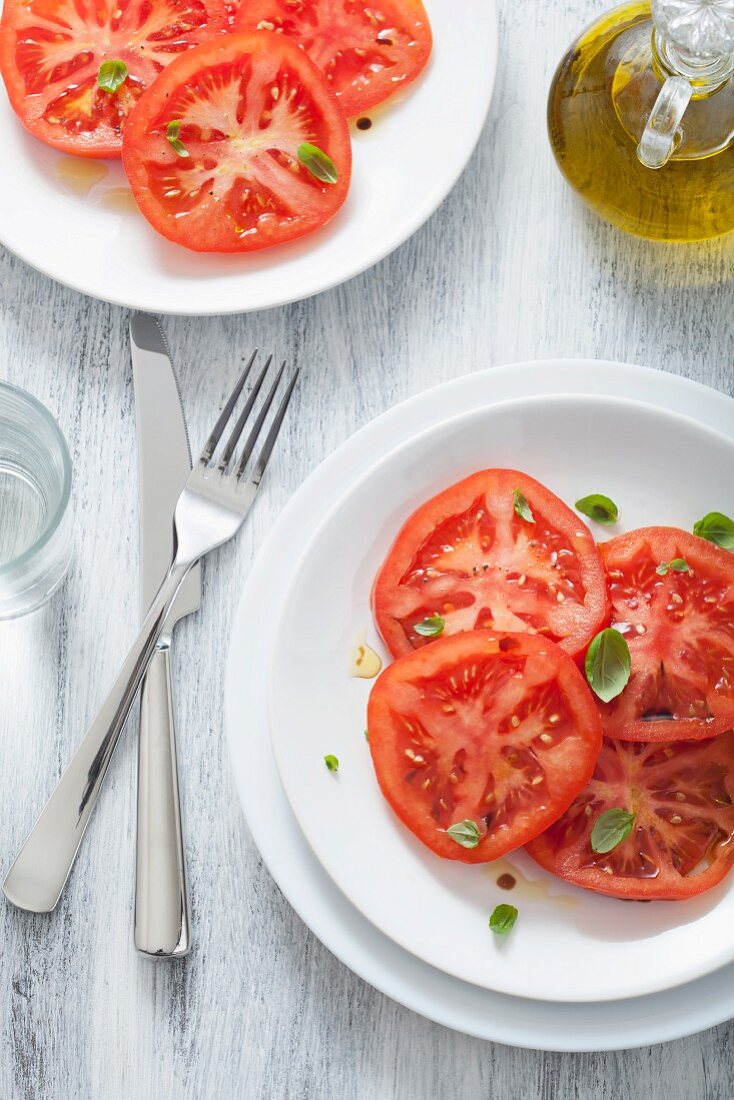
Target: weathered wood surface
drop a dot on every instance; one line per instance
(510, 268)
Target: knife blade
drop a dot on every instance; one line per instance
(164, 462)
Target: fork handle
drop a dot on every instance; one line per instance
(161, 902)
(38, 875)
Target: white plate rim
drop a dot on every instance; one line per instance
(536, 1025)
(11, 235)
(308, 547)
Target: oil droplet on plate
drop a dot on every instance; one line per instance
(79, 176)
(118, 199)
(525, 889)
(364, 662)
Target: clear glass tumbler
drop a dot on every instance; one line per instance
(35, 516)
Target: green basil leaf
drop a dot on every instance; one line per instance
(332, 763)
(173, 129)
(599, 508)
(678, 565)
(521, 506)
(112, 75)
(317, 162)
(430, 627)
(608, 664)
(503, 919)
(716, 527)
(610, 829)
(465, 833)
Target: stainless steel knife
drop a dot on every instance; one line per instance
(164, 462)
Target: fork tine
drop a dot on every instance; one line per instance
(213, 440)
(267, 448)
(242, 418)
(257, 426)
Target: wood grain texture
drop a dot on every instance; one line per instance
(510, 268)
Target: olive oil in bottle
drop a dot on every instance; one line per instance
(641, 118)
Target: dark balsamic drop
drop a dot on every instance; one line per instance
(364, 123)
(506, 882)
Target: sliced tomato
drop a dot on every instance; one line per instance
(51, 52)
(467, 556)
(682, 841)
(243, 104)
(368, 51)
(492, 728)
(680, 632)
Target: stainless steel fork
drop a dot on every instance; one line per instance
(211, 509)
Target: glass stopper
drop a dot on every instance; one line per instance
(703, 28)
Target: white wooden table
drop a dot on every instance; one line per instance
(510, 268)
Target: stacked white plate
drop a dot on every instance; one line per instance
(579, 972)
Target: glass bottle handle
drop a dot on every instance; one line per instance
(663, 126)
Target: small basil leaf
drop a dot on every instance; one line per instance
(503, 919)
(521, 506)
(430, 627)
(465, 833)
(332, 763)
(610, 829)
(716, 527)
(608, 664)
(366, 735)
(678, 565)
(112, 75)
(173, 129)
(317, 162)
(599, 508)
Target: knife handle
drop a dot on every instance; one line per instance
(161, 901)
(39, 872)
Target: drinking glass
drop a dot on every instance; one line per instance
(35, 516)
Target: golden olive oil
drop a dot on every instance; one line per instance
(608, 78)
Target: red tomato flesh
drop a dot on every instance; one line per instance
(51, 52)
(367, 51)
(682, 840)
(499, 729)
(467, 556)
(680, 632)
(245, 103)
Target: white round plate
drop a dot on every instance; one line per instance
(90, 236)
(569, 944)
(466, 1007)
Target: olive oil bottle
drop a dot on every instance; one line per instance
(641, 118)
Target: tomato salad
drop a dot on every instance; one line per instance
(231, 116)
(518, 642)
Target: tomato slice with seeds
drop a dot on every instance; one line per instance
(499, 729)
(680, 632)
(51, 52)
(467, 556)
(367, 50)
(244, 104)
(682, 840)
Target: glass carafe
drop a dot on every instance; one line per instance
(641, 118)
